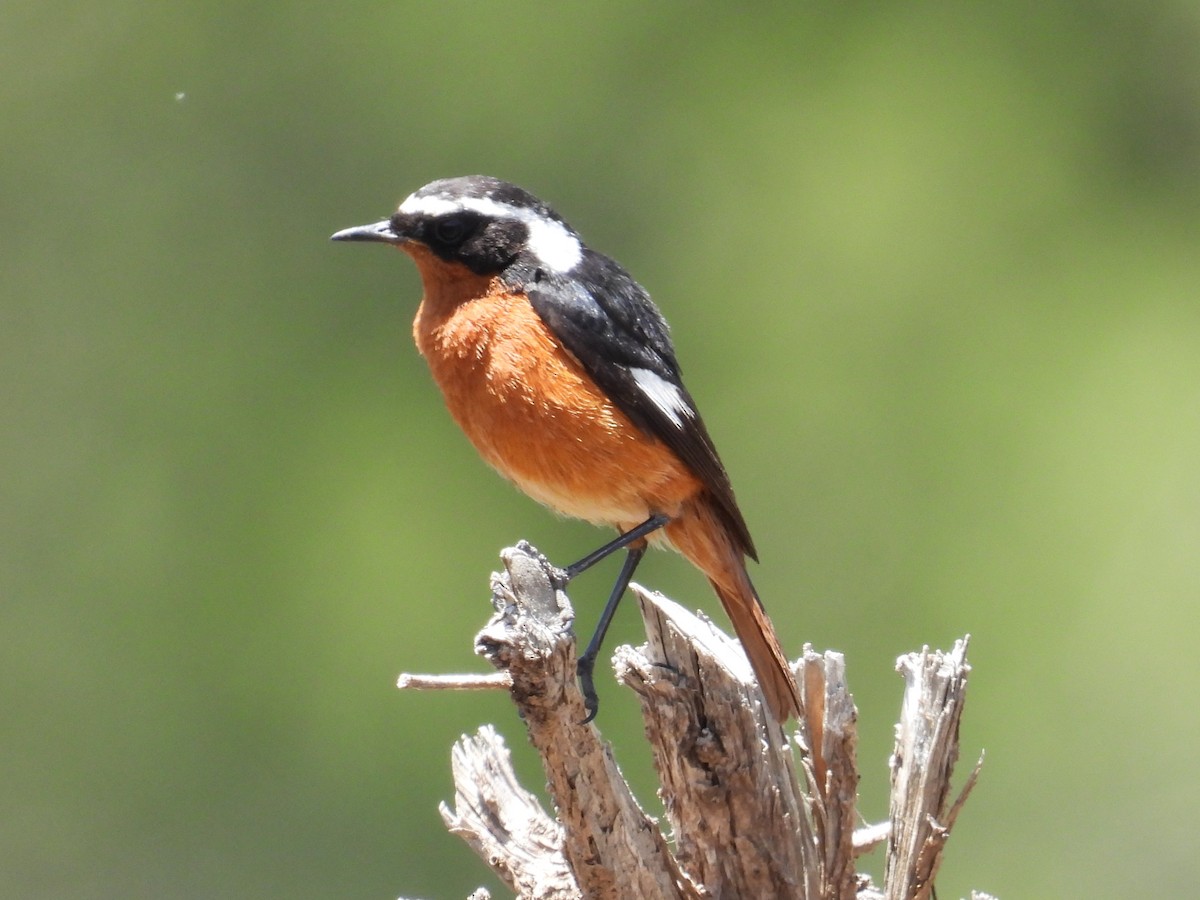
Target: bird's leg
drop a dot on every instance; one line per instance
(653, 523)
(634, 541)
(586, 665)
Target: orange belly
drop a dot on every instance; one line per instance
(534, 414)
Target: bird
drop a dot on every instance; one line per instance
(562, 372)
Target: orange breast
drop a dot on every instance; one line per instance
(530, 409)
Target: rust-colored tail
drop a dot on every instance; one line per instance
(758, 639)
(700, 536)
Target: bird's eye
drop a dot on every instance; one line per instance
(450, 230)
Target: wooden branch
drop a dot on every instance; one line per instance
(741, 824)
(922, 763)
(753, 812)
(496, 681)
(503, 822)
(612, 847)
(828, 726)
(485, 894)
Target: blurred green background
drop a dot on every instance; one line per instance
(933, 275)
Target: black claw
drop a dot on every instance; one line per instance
(592, 705)
(584, 669)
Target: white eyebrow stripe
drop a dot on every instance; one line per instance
(550, 241)
(663, 394)
(432, 206)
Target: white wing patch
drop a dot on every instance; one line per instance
(664, 395)
(551, 242)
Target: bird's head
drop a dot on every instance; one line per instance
(478, 222)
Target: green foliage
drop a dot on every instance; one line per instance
(933, 276)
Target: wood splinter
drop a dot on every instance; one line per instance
(469, 681)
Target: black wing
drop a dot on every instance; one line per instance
(609, 323)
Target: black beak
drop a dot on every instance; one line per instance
(381, 232)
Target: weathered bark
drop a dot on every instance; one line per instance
(753, 811)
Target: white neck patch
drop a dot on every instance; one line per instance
(550, 241)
